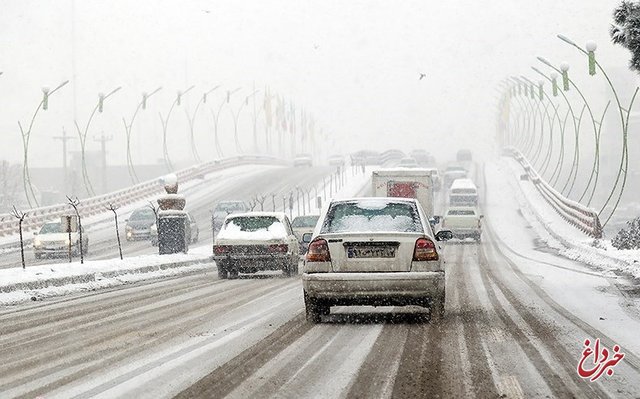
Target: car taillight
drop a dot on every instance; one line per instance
(425, 249)
(221, 249)
(278, 248)
(318, 251)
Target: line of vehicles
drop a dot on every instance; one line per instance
(382, 250)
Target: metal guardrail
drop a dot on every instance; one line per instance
(95, 205)
(584, 218)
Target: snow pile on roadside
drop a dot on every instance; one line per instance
(37, 282)
(504, 176)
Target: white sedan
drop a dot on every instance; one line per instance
(256, 241)
(374, 251)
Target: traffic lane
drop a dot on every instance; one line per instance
(141, 338)
(368, 352)
(548, 309)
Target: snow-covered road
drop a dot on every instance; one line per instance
(517, 317)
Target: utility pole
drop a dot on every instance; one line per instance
(103, 144)
(64, 138)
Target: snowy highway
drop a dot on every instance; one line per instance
(514, 328)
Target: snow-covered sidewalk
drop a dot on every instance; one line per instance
(554, 231)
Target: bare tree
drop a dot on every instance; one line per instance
(20, 216)
(74, 202)
(260, 199)
(113, 208)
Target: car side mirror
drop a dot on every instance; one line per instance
(35, 233)
(444, 235)
(306, 238)
(481, 216)
(434, 220)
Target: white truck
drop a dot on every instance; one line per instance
(406, 183)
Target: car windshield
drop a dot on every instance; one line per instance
(305, 221)
(372, 216)
(51, 228)
(143, 214)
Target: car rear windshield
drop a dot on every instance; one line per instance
(305, 221)
(463, 191)
(461, 212)
(252, 223)
(372, 216)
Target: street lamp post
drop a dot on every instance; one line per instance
(26, 137)
(82, 134)
(236, 116)
(192, 119)
(165, 125)
(216, 118)
(597, 129)
(127, 127)
(621, 177)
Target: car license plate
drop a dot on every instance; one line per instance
(371, 252)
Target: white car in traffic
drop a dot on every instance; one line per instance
(374, 251)
(52, 240)
(256, 241)
(464, 222)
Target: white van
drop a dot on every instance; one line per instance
(463, 192)
(405, 183)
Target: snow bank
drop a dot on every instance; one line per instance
(555, 231)
(36, 282)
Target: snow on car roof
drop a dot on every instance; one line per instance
(463, 183)
(279, 215)
(404, 171)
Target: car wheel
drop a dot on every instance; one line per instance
(233, 273)
(222, 273)
(314, 309)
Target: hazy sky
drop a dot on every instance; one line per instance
(355, 65)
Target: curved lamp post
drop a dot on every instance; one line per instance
(236, 116)
(540, 96)
(216, 118)
(567, 188)
(165, 124)
(82, 134)
(621, 177)
(191, 119)
(597, 128)
(26, 136)
(127, 127)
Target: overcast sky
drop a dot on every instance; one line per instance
(354, 65)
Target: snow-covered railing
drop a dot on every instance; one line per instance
(584, 218)
(95, 205)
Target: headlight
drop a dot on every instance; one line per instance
(37, 242)
(67, 242)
